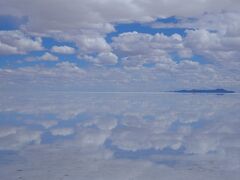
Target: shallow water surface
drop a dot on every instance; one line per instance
(120, 136)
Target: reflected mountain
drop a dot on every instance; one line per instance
(56, 135)
(216, 91)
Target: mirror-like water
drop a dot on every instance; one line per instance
(120, 136)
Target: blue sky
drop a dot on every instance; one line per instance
(150, 46)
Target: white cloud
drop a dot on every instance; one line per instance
(202, 143)
(137, 49)
(215, 47)
(14, 138)
(215, 36)
(48, 123)
(89, 44)
(105, 58)
(86, 22)
(90, 137)
(6, 49)
(134, 43)
(62, 131)
(226, 23)
(103, 123)
(80, 13)
(142, 59)
(48, 57)
(16, 42)
(7, 131)
(166, 75)
(45, 57)
(70, 69)
(45, 123)
(63, 50)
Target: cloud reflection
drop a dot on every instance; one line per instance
(121, 136)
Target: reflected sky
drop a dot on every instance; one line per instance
(120, 136)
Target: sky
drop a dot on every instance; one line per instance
(119, 45)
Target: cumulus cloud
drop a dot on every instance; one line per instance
(107, 58)
(137, 49)
(132, 58)
(135, 43)
(215, 36)
(214, 46)
(63, 50)
(16, 42)
(93, 44)
(87, 22)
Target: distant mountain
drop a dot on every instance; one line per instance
(217, 91)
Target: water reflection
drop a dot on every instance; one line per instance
(119, 136)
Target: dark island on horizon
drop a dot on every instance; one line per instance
(216, 91)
